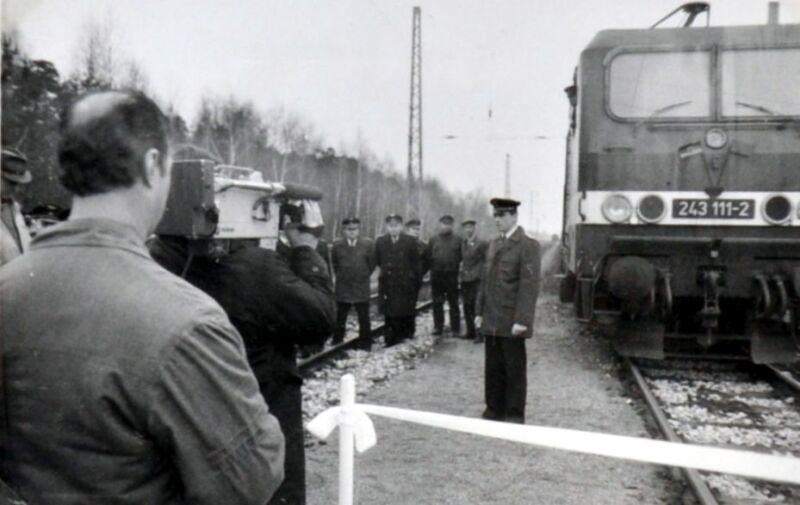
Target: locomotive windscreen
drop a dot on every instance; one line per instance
(660, 84)
(760, 82)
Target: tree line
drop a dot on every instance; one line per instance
(280, 143)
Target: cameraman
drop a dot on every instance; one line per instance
(277, 303)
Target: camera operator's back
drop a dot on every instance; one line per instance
(129, 386)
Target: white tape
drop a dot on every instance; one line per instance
(712, 459)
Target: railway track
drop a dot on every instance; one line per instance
(313, 362)
(733, 405)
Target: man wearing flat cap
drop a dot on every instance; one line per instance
(14, 235)
(473, 254)
(444, 256)
(505, 313)
(398, 257)
(353, 260)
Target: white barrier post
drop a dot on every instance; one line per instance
(347, 398)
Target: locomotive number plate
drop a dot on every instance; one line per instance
(713, 209)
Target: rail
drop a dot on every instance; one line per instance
(692, 476)
(314, 361)
(785, 376)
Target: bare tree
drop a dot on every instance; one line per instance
(132, 76)
(230, 129)
(289, 133)
(95, 64)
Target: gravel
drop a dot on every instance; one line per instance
(572, 383)
(727, 405)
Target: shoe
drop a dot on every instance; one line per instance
(490, 416)
(515, 420)
(437, 331)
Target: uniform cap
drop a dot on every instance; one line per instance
(394, 217)
(414, 222)
(504, 204)
(447, 218)
(14, 166)
(350, 220)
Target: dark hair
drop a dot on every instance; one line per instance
(101, 149)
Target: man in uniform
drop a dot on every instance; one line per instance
(353, 260)
(505, 313)
(122, 383)
(413, 228)
(398, 257)
(14, 236)
(473, 254)
(444, 255)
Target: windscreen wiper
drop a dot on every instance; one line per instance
(757, 107)
(660, 111)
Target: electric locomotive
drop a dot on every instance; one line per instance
(681, 228)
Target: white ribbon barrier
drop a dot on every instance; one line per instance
(356, 427)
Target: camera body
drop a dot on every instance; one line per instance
(224, 202)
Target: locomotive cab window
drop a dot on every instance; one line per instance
(760, 83)
(660, 85)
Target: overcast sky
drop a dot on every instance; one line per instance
(345, 66)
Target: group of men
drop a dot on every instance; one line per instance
(498, 282)
(403, 259)
(144, 369)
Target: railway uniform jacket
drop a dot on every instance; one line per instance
(401, 268)
(124, 384)
(510, 285)
(353, 266)
(444, 252)
(473, 255)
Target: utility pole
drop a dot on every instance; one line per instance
(415, 119)
(508, 176)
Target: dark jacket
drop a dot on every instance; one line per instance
(353, 267)
(510, 285)
(401, 268)
(444, 252)
(473, 254)
(123, 383)
(276, 303)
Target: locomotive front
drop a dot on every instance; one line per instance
(682, 196)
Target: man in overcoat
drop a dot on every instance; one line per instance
(473, 254)
(353, 260)
(505, 313)
(444, 255)
(398, 257)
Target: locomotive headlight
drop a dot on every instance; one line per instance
(777, 209)
(617, 208)
(716, 138)
(651, 209)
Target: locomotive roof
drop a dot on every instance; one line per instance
(757, 35)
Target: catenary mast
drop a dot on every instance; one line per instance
(415, 120)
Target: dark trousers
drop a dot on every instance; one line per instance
(506, 378)
(445, 286)
(364, 329)
(285, 402)
(469, 294)
(398, 329)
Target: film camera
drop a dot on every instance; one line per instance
(212, 201)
